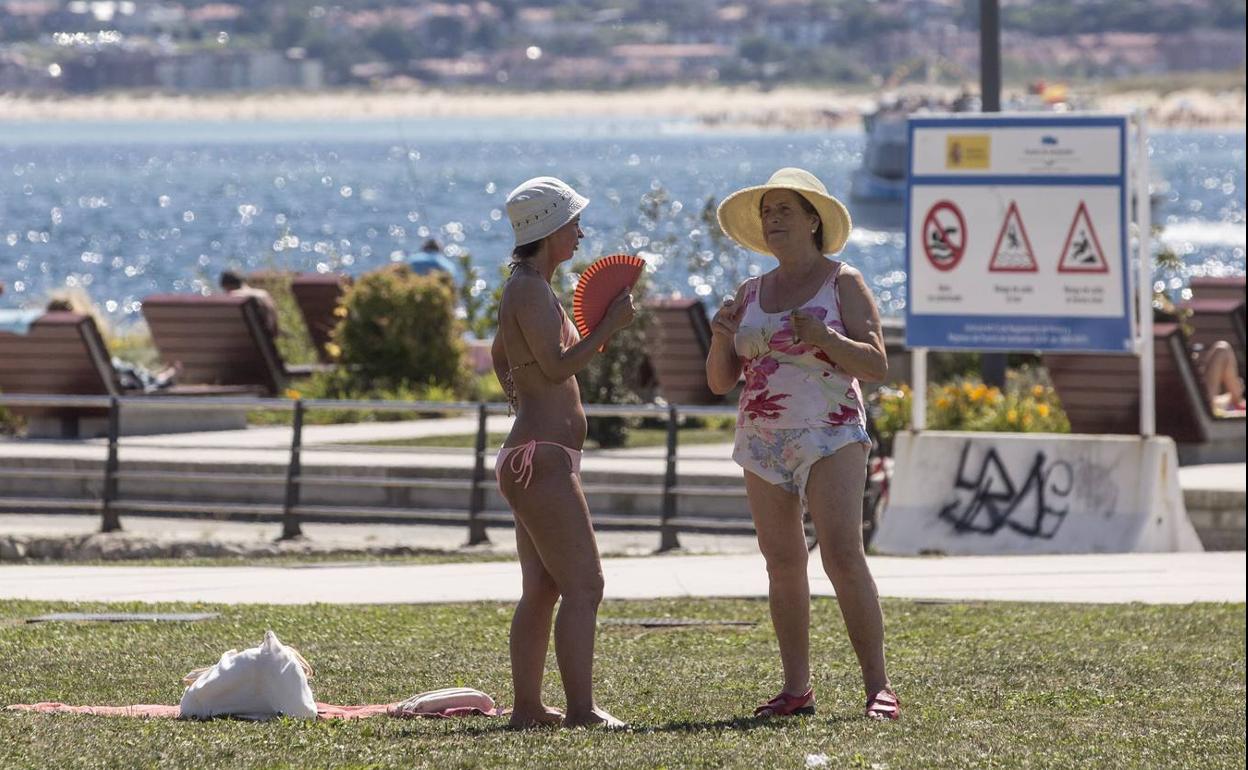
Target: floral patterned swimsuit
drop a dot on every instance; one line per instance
(797, 406)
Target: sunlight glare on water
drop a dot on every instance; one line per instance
(128, 210)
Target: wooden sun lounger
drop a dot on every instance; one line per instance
(218, 339)
(1101, 394)
(318, 296)
(64, 354)
(678, 341)
(1231, 287)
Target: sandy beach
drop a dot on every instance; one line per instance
(790, 108)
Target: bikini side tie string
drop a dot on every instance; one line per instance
(524, 454)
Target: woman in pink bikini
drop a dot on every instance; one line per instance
(804, 334)
(537, 353)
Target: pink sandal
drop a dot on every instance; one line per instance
(884, 705)
(784, 705)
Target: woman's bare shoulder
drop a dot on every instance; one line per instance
(851, 277)
(521, 289)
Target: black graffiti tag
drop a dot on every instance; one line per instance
(996, 501)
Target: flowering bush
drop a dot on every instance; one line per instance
(399, 332)
(1027, 405)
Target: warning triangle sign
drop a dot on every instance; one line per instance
(1013, 252)
(1082, 252)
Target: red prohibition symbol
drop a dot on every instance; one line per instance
(944, 236)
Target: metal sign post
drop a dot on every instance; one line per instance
(1143, 219)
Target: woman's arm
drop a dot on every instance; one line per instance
(498, 355)
(723, 365)
(860, 351)
(541, 322)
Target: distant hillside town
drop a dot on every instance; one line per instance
(88, 46)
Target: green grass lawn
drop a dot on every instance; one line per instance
(984, 685)
(637, 438)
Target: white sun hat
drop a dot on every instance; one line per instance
(740, 220)
(541, 206)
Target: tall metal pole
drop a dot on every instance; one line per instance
(476, 498)
(990, 55)
(1144, 220)
(110, 521)
(291, 528)
(992, 365)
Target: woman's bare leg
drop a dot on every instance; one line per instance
(1222, 374)
(834, 493)
(554, 512)
(530, 636)
(778, 522)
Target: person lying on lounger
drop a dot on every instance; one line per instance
(1217, 364)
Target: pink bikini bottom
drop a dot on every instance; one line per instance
(521, 460)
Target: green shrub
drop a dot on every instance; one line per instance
(10, 424)
(480, 304)
(399, 333)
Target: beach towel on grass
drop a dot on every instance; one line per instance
(269, 681)
(323, 710)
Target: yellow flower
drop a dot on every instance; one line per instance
(1011, 416)
(942, 402)
(1042, 410)
(978, 392)
(340, 312)
(968, 388)
(293, 394)
(1037, 391)
(333, 350)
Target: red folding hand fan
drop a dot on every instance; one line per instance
(600, 283)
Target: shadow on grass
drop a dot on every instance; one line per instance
(740, 723)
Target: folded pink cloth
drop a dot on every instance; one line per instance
(323, 711)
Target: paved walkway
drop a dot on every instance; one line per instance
(1148, 578)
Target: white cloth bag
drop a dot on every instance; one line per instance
(258, 683)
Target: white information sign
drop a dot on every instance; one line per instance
(1017, 233)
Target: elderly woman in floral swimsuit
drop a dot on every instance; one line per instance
(804, 333)
(537, 353)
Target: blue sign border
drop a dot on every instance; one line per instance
(1022, 333)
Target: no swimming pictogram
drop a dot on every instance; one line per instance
(1013, 252)
(944, 236)
(1082, 252)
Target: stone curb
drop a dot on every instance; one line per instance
(124, 547)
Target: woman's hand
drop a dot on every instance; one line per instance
(809, 329)
(620, 312)
(727, 319)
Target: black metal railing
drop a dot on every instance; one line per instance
(294, 510)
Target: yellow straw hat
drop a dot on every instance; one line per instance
(739, 218)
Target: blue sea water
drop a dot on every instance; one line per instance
(123, 210)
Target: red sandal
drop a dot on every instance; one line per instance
(784, 705)
(884, 705)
